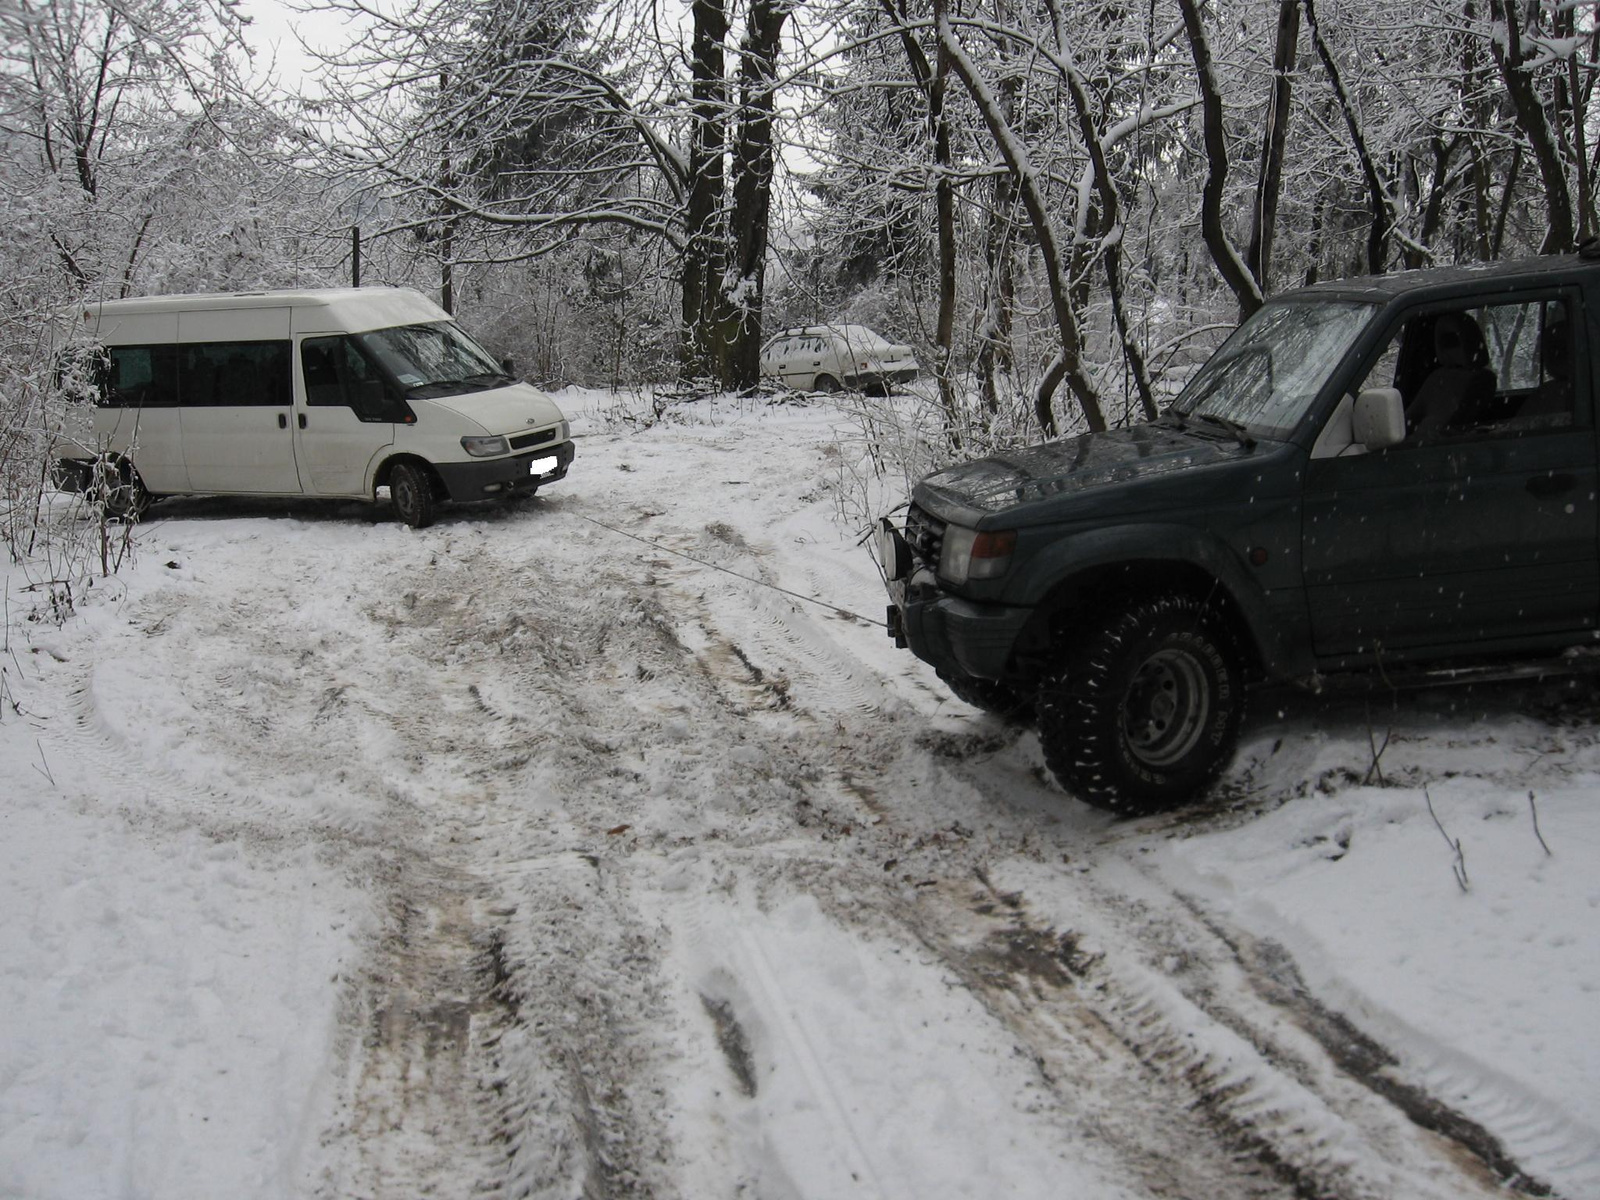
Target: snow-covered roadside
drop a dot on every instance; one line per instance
(1487, 989)
(725, 847)
(168, 974)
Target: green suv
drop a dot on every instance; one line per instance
(1390, 474)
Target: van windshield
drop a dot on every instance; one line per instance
(436, 359)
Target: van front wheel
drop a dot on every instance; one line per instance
(411, 493)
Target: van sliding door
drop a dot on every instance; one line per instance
(237, 400)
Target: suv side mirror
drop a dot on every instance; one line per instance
(1378, 420)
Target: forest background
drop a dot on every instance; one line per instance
(1060, 203)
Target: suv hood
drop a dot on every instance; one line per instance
(506, 410)
(1091, 462)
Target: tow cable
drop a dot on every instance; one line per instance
(835, 609)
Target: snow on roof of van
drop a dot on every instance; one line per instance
(316, 310)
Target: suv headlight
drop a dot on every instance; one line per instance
(485, 447)
(969, 554)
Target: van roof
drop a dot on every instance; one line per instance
(315, 310)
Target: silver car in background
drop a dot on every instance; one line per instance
(824, 358)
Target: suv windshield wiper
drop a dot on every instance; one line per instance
(1240, 432)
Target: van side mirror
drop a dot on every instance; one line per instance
(508, 367)
(1378, 420)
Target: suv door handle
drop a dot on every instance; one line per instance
(1551, 485)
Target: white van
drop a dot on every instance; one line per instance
(334, 393)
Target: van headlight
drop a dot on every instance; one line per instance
(485, 447)
(969, 554)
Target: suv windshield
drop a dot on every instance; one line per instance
(437, 359)
(1265, 376)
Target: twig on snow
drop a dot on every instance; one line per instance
(1459, 866)
(1377, 752)
(45, 769)
(1534, 809)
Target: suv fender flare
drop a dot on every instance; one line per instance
(1099, 562)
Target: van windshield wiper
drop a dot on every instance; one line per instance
(471, 383)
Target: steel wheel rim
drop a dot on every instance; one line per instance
(1165, 708)
(404, 495)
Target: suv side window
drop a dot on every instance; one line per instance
(1482, 371)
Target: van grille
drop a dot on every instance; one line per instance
(925, 533)
(523, 440)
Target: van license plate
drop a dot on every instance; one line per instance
(542, 466)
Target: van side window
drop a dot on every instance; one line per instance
(141, 377)
(236, 374)
(338, 375)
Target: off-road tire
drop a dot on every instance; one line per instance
(1143, 711)
(411, 493)
(1003, 700)
(116, 487)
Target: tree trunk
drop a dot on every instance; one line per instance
(1377, 197)
(1068, 364)
(1535, 126)
(1230, 266)
(1108, 228)
(944, 201)
(1270, 183)
(703, 251)
(934, 84)
(752, 195)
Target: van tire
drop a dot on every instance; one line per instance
(117, 489)
(826, 384)
(411, 493)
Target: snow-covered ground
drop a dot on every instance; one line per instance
(544, 853)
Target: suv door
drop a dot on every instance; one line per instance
(1481, 524)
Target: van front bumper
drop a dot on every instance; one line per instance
(488, 479)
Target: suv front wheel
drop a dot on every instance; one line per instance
(1144, 710)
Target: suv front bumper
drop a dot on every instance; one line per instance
(953, 635)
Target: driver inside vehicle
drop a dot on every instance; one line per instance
(1444, 374)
